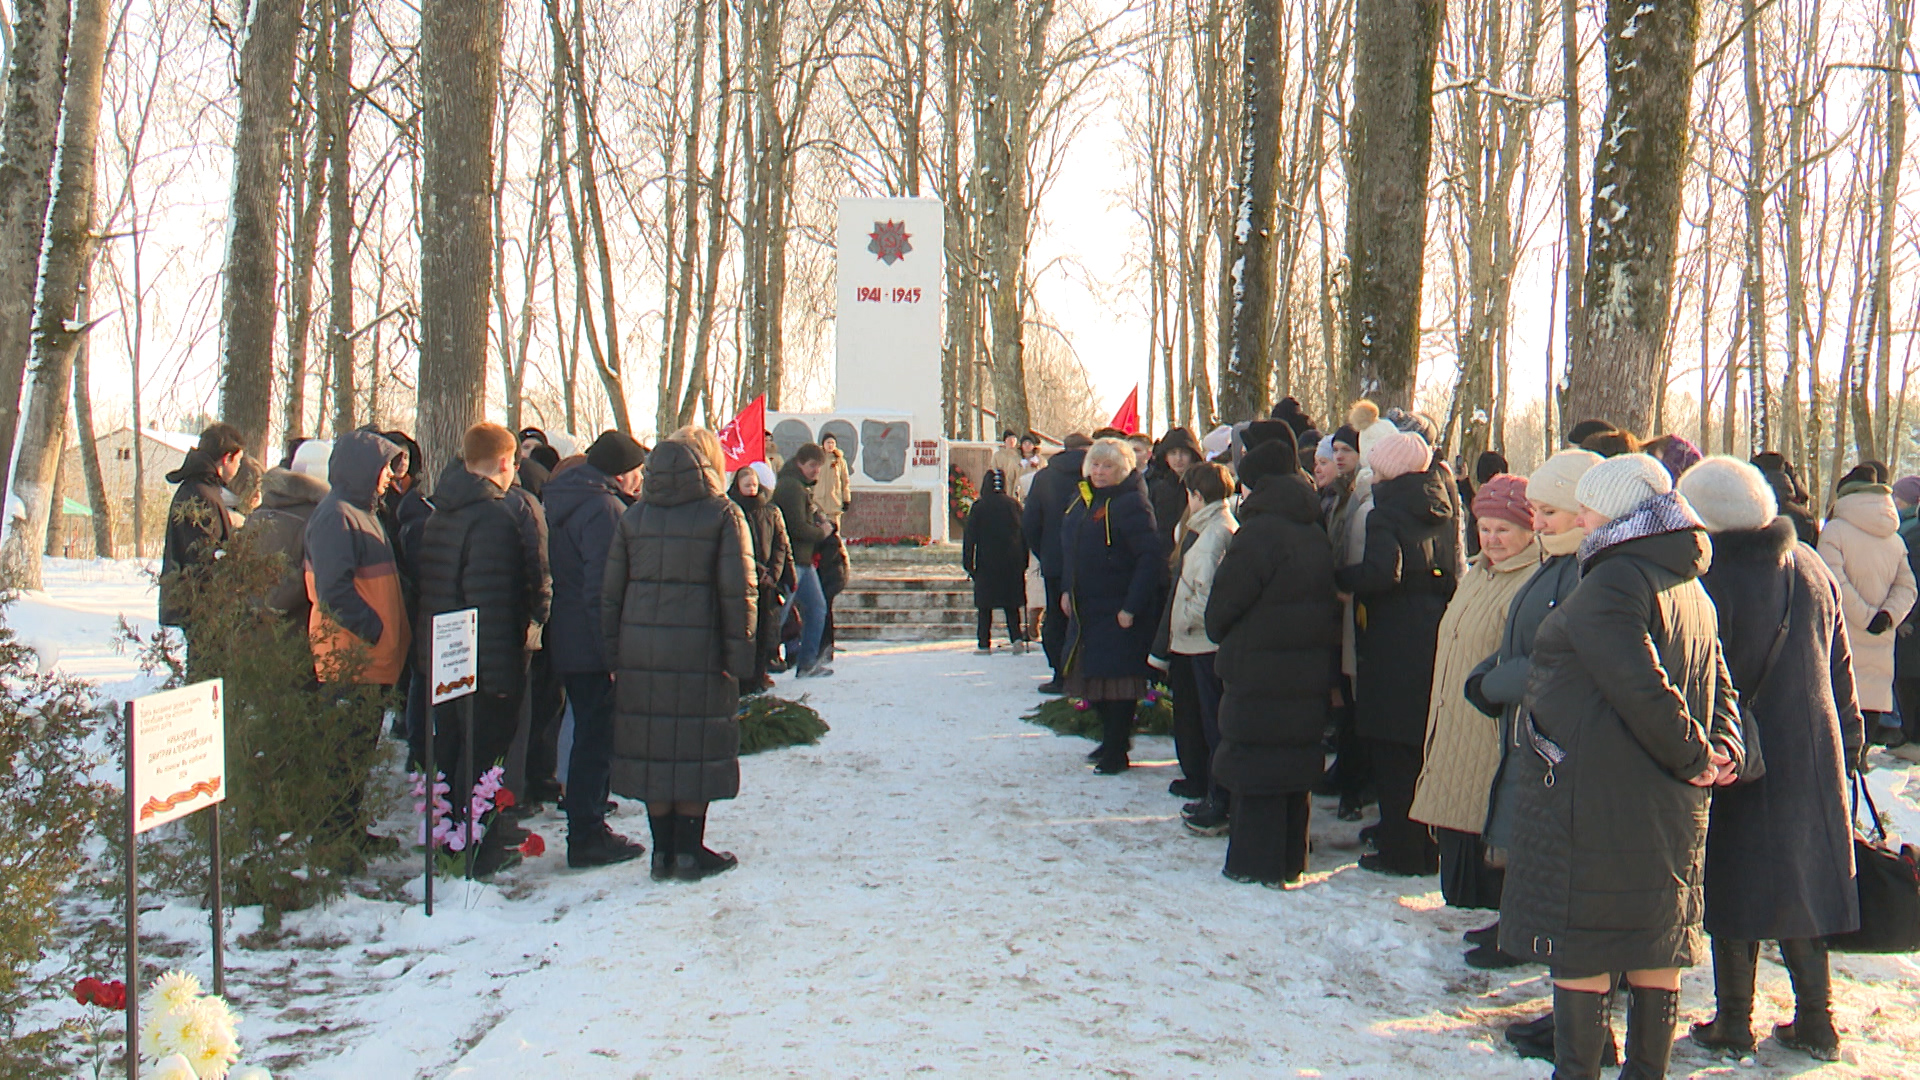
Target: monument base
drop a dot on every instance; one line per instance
(878, 516)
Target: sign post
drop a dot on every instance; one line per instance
(455, 676)
(176, 766)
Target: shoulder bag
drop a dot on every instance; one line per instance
(1889, 885)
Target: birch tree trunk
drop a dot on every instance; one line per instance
(1635, 216)
(36, 73)
(1392, 131)
(1246, 373)
(340, 224)
(56, 334)
(249, 301)
(460, 42)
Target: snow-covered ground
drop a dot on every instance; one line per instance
(936, 887)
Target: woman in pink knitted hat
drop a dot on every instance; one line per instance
(1401, 587)
(1462, 751)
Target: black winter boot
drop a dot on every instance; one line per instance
(1651, 1015)
(1579, 1033)
(1116, 722)
(662, 825)
(1731, 1029)
(597, 845)
(1812, 1027)
(691, 859)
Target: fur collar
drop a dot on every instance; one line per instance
(1769, 544)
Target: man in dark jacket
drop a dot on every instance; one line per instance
(584, 504)
(807, 529)
(1054, 489)
(475, 554)
(198, 526)
(287, 502)
(1791, 495)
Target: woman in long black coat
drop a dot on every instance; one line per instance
(993, 551)
(1779, 849)
(1116, 567)
(678, 613)
(1401, 587)
(772, 567)
(1631, 718)
(1277, 619)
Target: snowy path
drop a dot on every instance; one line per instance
(937, 887)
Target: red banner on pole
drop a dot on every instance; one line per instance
(1128, 418)
(745, 437)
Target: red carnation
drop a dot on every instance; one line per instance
(533, 846)
(503, 799)
(87, 990)
(111, 995)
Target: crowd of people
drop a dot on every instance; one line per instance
(1617, 701)
(627, 597)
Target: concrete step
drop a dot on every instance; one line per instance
(924, 583)
(855, 632)
(902, 617)
(927, 599)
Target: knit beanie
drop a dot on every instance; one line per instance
(1554, 482)
(615, 453)
(1505, 497)
(1679, 455)
(1729, 495)
(1907, 489)
(1272, 458)
(1489, 465)
(1348, 436)
(1324, 452)
(1398, 454)
(1618, 484)
(312, 457)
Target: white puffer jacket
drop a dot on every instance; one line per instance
(1862, 546)
(1212, 527)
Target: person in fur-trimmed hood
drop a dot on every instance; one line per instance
(1861, 543)
(1779, 848)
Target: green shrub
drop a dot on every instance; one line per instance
(56, 750)
(769, 723)
(1070, 716)
(298, 754)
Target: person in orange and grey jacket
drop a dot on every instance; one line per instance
(1401, 586)
(474, 553)
(584, 502)
(198, 525)
(1779, 846)
(353, 581)
(1631, 717)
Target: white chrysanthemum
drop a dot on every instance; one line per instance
(211, 1044)
(167, 1031)
(173, 1067)
(176, 988)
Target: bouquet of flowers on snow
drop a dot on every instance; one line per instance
(449, 835)
(188, 1035)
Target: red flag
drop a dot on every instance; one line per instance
(745, 437)
(1128, 418)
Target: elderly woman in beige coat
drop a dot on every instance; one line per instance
(1463, 743)
(1862, 546)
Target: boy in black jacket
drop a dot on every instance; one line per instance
(476, 552)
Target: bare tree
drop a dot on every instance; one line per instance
(249, 305)
(56, 335)
(1636, 210)
(460, 49)
(1246, 373)
(35, 75)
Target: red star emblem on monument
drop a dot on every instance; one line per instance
(889, 241)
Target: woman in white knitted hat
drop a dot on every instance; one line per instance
(1779, 846)
(1630, 719)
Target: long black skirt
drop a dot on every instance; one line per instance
(1465, 878)
(1269, 839)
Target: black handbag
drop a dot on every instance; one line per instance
(1889, 884)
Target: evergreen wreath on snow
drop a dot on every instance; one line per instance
(769, 723)
(1153, 715)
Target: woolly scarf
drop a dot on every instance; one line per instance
(1661, 514)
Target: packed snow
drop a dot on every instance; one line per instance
(936, 887)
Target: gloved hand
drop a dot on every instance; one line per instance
(1479, 700)
(1881, 620)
